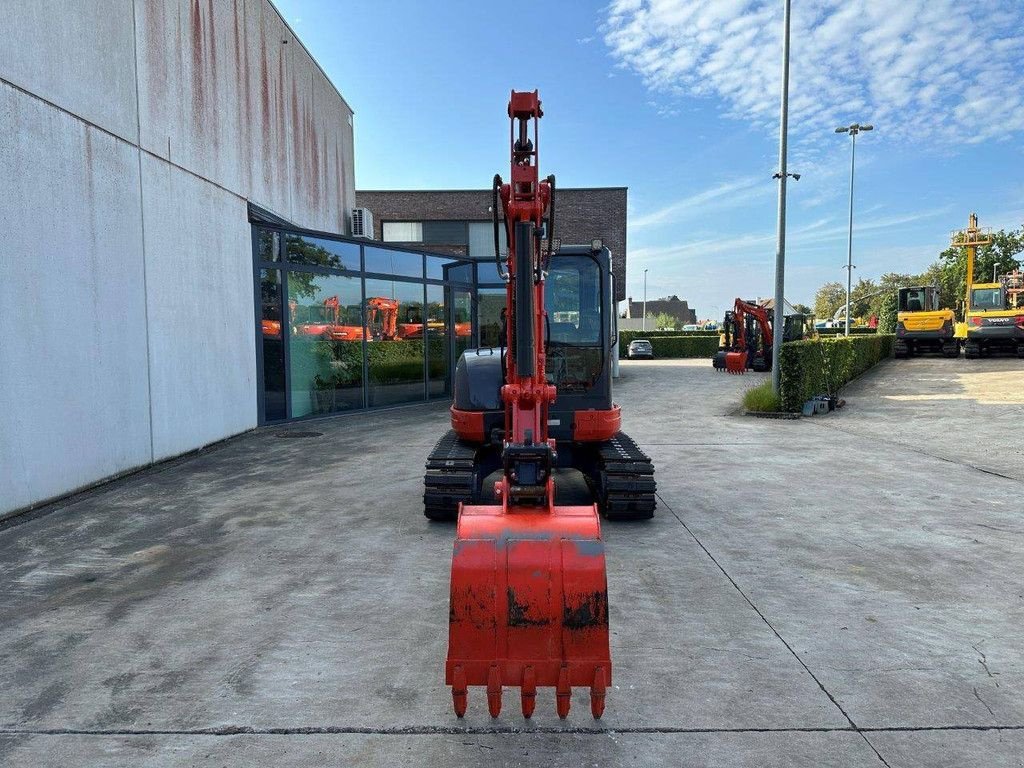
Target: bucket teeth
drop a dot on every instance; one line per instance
(459, 692)
(494, 691)
(563, 693)
(597, 693)
(528, 692)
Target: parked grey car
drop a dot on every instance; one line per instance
(640, 348)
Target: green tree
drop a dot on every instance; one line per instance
(1002, 254)
(663, 321)
(803, 309)
(861, 295)
(828, 299)
(887, 312)
(302, 251)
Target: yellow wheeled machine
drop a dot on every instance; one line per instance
(993, 312)
(922, 326)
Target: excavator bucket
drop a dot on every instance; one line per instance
(736, 362)
(529, 606)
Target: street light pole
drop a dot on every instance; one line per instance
(645, 299)
(780, 246)
(853, 130)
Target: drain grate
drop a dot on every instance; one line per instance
(294, 433)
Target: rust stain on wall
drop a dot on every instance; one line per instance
(296, 134)
(338, 182)
(211, 37)
(282, 141)
(198, 86)
(156, 63)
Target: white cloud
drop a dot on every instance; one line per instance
(941, 70)
(729, 194)
(813, 236)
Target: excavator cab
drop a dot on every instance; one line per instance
(797, 327)
(922, 325)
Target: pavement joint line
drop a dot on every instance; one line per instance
(443, 730)
(764, 619)
(919, 451)
(853, 725)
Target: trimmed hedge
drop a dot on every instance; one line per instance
(627, 336)
(684, 346)
(842, 331)
(823, 366)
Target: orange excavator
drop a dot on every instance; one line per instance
(529, 597)
(746, 339)
(329, 325)
(387, 310)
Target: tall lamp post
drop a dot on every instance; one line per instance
(645, 299)
(853, 130)
(782, 175)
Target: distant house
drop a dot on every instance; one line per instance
(672, 306)
(787, 308)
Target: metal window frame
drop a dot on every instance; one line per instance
(282, 229)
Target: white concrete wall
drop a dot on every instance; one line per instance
(126, 293)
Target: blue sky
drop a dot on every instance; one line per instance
(678, 100)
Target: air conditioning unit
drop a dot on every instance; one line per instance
(362, 223)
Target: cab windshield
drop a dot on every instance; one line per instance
(913, 300)
(986, 298)
(575, 330)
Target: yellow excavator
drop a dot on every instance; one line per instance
(921, 324)
(993, 312)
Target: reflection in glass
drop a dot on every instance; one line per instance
(490, 303)
(436, 265)
(402, 232)
(462, 320)
(269, 245)
(445, 232)
(274, 408)
(320, 252)
(437, 342)
(481, 240)
(572, 297)
(461, 273)
(395, 337)
(326, 350)
(392, 262)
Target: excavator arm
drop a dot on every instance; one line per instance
(529, 594)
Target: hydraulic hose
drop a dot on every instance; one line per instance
(496, 185)
(551, 222)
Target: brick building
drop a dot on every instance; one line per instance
(459, 221)
(672, 306)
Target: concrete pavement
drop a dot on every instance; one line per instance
(809, 593)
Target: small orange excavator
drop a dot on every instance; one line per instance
(387, 309)
(529, 595)
(328, 325)
(746, 339)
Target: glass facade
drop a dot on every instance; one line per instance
(344, 325)
(490, 305)
(325, 343)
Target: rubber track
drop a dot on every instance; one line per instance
(449, 477)
(627, 489)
